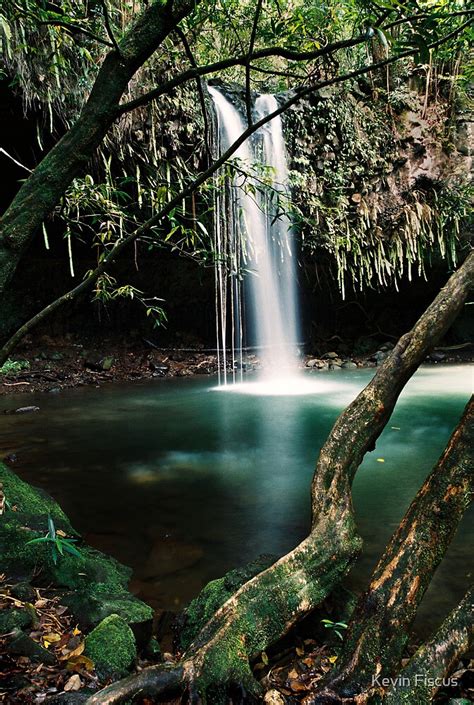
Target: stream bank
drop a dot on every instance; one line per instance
(51, 365)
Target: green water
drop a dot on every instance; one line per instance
(183, 482)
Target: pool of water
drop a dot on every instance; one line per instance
(183, 482)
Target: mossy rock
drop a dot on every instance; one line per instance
(111, 646)
(92, 605)
(32, 500)
(21, 560)
(11, 619)
(213, 596)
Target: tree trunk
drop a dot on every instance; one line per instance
(419, 681)
(380, 625)
(265, 607)
(42, 191)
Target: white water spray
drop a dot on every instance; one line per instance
(258, 239)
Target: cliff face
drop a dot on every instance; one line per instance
(381, 186)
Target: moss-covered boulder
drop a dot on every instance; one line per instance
(95, 585)
(111, 646)
(11, 619)
(92, 605)
(213, 596)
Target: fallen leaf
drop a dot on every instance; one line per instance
(264, 658)
(51, 638)
(40, 603)
(74, 683)
(273, 697)
(332, 659)
(67, 656)
(297, 686)
(299, 651)
(80, 663)
(380, 460)
(76, 631)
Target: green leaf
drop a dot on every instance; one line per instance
(51, 528)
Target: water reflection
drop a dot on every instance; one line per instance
(183, 483)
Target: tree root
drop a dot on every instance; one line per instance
(267, 606)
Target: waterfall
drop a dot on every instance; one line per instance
(253, 236)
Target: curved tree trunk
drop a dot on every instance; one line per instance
(43, 189)
(264, 608)
(380, 625)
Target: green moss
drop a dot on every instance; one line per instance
(31, 500)
(111, 646)
(214, 595)
(11, 619)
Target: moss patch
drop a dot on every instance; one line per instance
(31, 500)
(214, 595)
(111, 646)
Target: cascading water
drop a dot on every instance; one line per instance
(251, 234)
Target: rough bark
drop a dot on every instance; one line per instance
(43, 189)
(420, 680)
(380, 625)
(264, 608)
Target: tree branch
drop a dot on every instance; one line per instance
(199, 87)
(248, 97)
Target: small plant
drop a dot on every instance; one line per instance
(335, 626)
(14, 366)
(57, 543)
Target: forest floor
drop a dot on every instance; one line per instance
(50, 365)
(288, 673)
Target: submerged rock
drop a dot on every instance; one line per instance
(168, 556)
(111, 646)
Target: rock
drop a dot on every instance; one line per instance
(23, 645)
(98, 363)
(111, 646)
(314, 362)
(386, 346)
(379, 356)
(91, 607)
(24, 592)
(437, 356)
(54, 390)
(159, 368)
(349, 365)
(26, 409)
(14, 619)
(330, 356)
(56, 356)
(185, 372)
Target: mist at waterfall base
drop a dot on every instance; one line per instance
(184, 484)
(255, 234)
